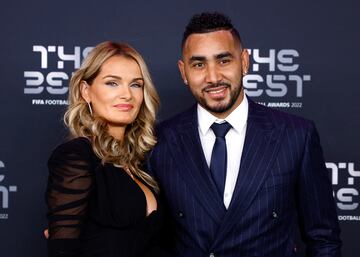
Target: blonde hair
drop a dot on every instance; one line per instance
(139, 136)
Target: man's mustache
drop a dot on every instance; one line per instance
(215, 85)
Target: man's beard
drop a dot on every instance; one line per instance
(234, 95)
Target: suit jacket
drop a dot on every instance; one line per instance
(282, 185)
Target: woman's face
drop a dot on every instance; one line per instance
(116, 94)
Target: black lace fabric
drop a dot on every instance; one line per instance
(69, 185)
(97, 210)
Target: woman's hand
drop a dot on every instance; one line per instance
(46, 233)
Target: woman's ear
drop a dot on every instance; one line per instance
(84, 90)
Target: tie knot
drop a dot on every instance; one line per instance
(220, 129)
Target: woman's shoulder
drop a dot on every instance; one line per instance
(77, 147)
(75, 142)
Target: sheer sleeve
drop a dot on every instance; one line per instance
(69, 184)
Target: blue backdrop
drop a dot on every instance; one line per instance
(304, 60)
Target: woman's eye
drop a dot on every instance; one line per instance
(136, 85)
(111, 83)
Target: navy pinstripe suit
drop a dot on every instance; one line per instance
(282, 184)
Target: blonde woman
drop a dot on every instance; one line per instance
(100, 200)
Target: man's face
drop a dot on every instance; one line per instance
(213, 66)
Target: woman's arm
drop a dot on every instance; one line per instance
(69, 184)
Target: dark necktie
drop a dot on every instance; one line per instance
(219, 155)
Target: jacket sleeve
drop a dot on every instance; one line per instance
(317, 215)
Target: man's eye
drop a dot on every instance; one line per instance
(111, 83)
(224, 61)
(198, 65)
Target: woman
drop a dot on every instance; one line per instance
(101, 202)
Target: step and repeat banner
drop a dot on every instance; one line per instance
(304, 60)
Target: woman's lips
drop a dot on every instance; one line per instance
(124, 107)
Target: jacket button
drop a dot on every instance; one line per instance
(295, 249)
(180, 214)
(212, 255)
(274, 215)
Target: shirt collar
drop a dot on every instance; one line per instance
(237, 118)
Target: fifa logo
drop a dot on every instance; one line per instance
(344, 174)
(49, 77)
(281, 74)
(4, 191)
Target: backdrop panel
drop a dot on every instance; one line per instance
(304, 60)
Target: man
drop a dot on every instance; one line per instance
(243, 186)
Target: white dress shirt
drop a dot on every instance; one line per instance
(234, 142)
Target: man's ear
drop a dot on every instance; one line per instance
(84, 90)
(245, 61)
(182, 71)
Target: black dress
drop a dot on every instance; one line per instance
(95, 209)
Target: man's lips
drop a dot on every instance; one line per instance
(123, 107)
(217, 91)
(216, 86)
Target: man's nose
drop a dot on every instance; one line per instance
(212, 74)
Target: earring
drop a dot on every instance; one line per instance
(90, 109)
(186, 82)
(245, 73)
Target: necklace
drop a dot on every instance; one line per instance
(129, 173)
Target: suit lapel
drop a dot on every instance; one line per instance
(260, 147)
(186, 149)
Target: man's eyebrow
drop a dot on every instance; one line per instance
(217, 56)
(197, 58)
(223, 55)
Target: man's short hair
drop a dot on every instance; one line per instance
(208, 22)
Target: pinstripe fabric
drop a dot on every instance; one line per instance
(282, 184)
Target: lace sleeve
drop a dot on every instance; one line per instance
(69, 184)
